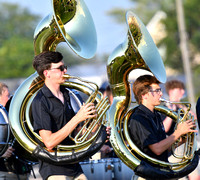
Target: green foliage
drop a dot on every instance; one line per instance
(16, 22)
(145, 9)
(16, 57)
(173, 54)
(16, 41)
(191, 15)
(192, 8)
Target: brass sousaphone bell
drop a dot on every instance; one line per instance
(138, 51)
(72, 23)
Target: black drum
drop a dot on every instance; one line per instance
(98, 169)
(122, 171)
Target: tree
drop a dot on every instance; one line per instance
(16, 42)
(16, 21)
(145, 9)
(16, 57)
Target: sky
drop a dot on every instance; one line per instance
(109, 33)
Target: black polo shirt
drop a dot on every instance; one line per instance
(50, 113)
(146, 128)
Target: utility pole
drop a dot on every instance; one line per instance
(185, 52)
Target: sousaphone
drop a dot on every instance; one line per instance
(70, 22)
(138, 51)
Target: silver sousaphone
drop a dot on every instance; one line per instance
(138, 51)
(72, 23)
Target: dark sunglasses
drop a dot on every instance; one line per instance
(159, 90)
(62, 68)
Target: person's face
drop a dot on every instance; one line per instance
(154, 94)
(56, 72)
(176, 94)
(5, 96)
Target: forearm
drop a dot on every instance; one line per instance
(8, 153)
(165, 144)
(53, 139)
(167, 123)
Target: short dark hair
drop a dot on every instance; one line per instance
(172, 84)
(43, 61)
(142, 85)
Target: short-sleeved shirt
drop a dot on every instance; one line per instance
(146, 128)
(49, 113)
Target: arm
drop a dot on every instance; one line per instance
(182, 128)
(167, 123)
(8, 153)
(105, 149)
(52, 139)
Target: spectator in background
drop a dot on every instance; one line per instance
(108, 93)
(175, 90)
(107, 150)
(10, 167)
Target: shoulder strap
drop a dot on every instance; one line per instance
(4, 113)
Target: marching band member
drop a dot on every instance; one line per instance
(54, 118)
(175, 90)
(10, 167)
(146, 127)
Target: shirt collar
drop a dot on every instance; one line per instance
(47, 92)
(147, 111)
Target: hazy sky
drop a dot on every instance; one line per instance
(109, 33)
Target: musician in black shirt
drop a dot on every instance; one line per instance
(145, 125)
(54, 118)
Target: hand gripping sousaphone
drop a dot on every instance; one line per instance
(72, 23)
(137, 52)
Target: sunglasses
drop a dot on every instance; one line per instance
(62, 68)
(159, 90)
